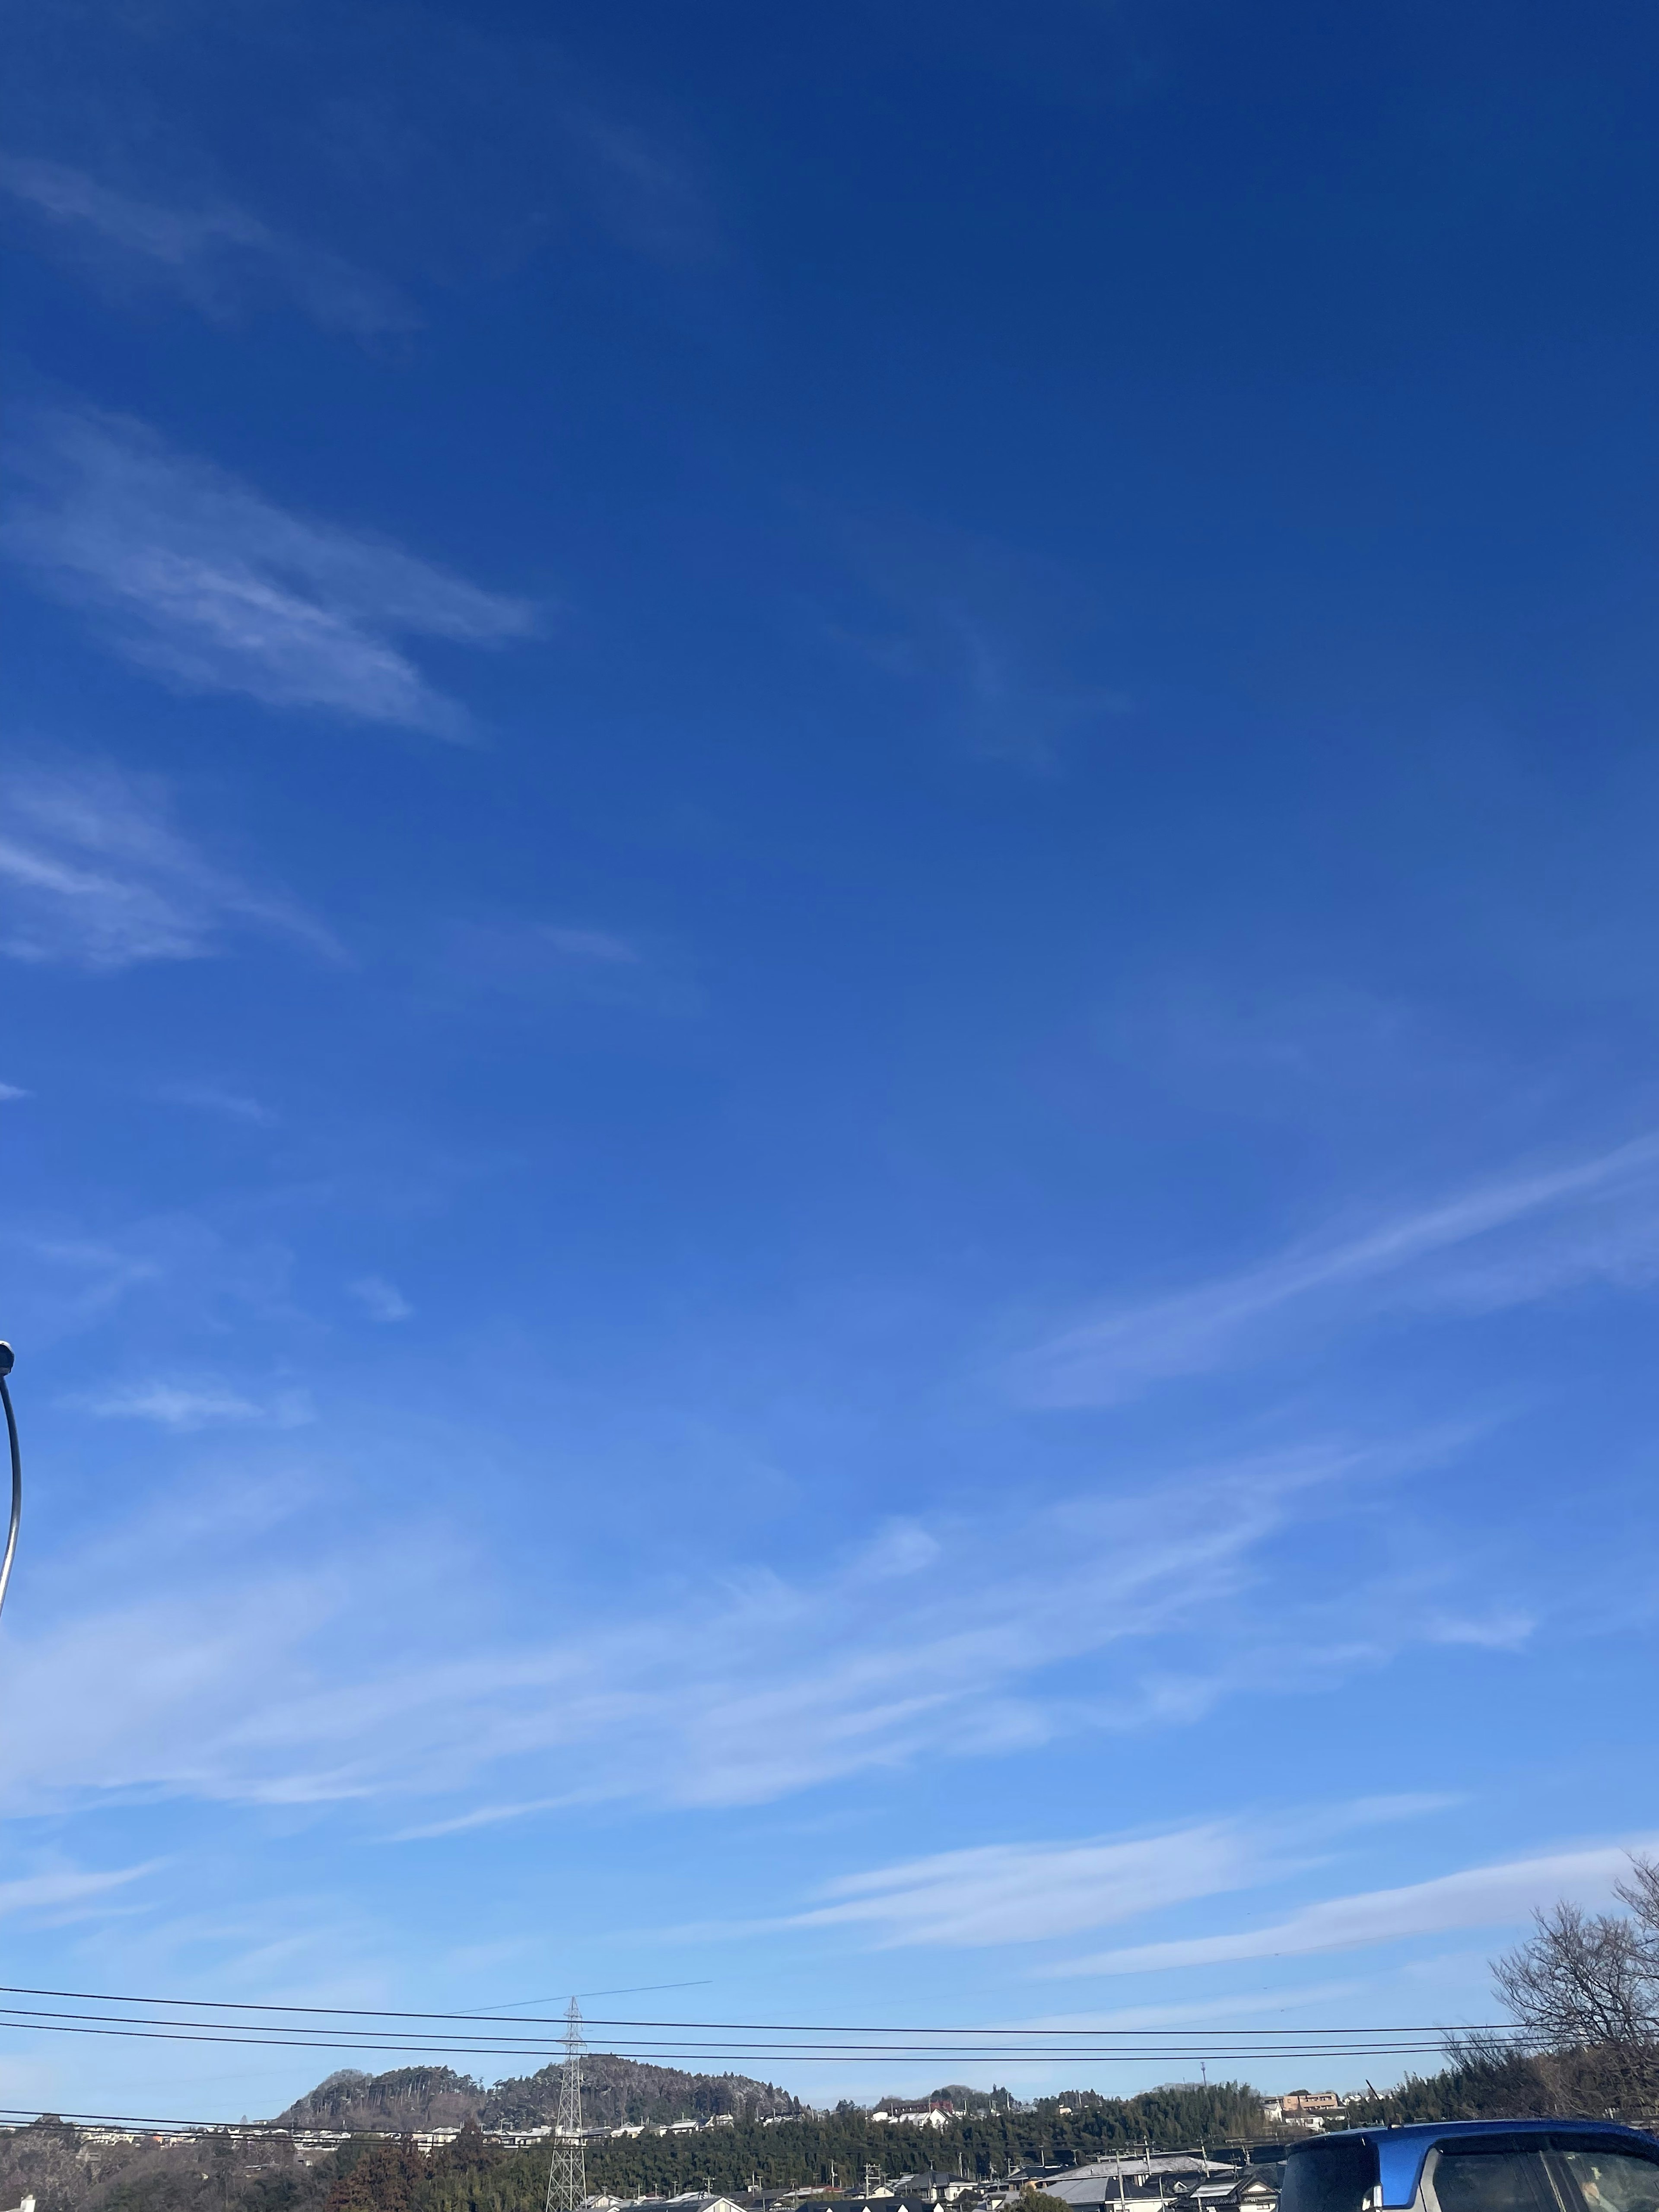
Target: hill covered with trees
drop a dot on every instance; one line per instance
(615, 2092)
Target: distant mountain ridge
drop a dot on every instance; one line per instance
(615, 2092)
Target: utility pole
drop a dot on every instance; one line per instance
(6, 1362)
(567, 2176)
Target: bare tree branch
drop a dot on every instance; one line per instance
(1585, 1988)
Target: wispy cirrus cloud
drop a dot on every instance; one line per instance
(568, 962)
(302, 1683)
(996, 644)
(95, 874)
(65, 1892)
(644, 191)
(183, 1407)
(210, 1099)
(381, 1300)
(1208, 2009)
(172, 1271)
(1027, 1893)
(601, 946)
(216, 255)
(192, 573)
(1500, 1243)
(1475, 1897)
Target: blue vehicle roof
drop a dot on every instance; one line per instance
(1400, 2151)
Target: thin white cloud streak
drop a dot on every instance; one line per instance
(195, 575)
(61, 1892)
(208, 1098)
(11, 1093)
(1025, 1892)
(1117, 1354)
(190, 1274)
(184, 1408)
(305, 1685)
(219, 258)
(482, 1816)
(1208, 2009)
(996, 640)
(381, 1300)
(996, 703)
(1477, 1896)
(599, 945)
(645, 193)
(95, 874)
(541, 962)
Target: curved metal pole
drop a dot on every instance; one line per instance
(16, 1471)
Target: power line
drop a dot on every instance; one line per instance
(254, 2031)
(363, 2033)
(257, 2034)
(727, 2026)
(636, 1988)
(799, 2054)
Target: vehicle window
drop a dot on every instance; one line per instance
(1610, 2181)
(1335, 2177)
(1476, 2181)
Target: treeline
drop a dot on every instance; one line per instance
(839, 2145)
(1486, 2082)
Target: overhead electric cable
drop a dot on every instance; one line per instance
(255, 2033)
(727, 2026)
(811, 2055)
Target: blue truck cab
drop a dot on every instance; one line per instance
(1475, 2166)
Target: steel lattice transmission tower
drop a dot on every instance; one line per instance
(567, 2177)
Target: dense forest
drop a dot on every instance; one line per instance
(817, 2147)
(985, 2143)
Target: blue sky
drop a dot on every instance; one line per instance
(831, 1133)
